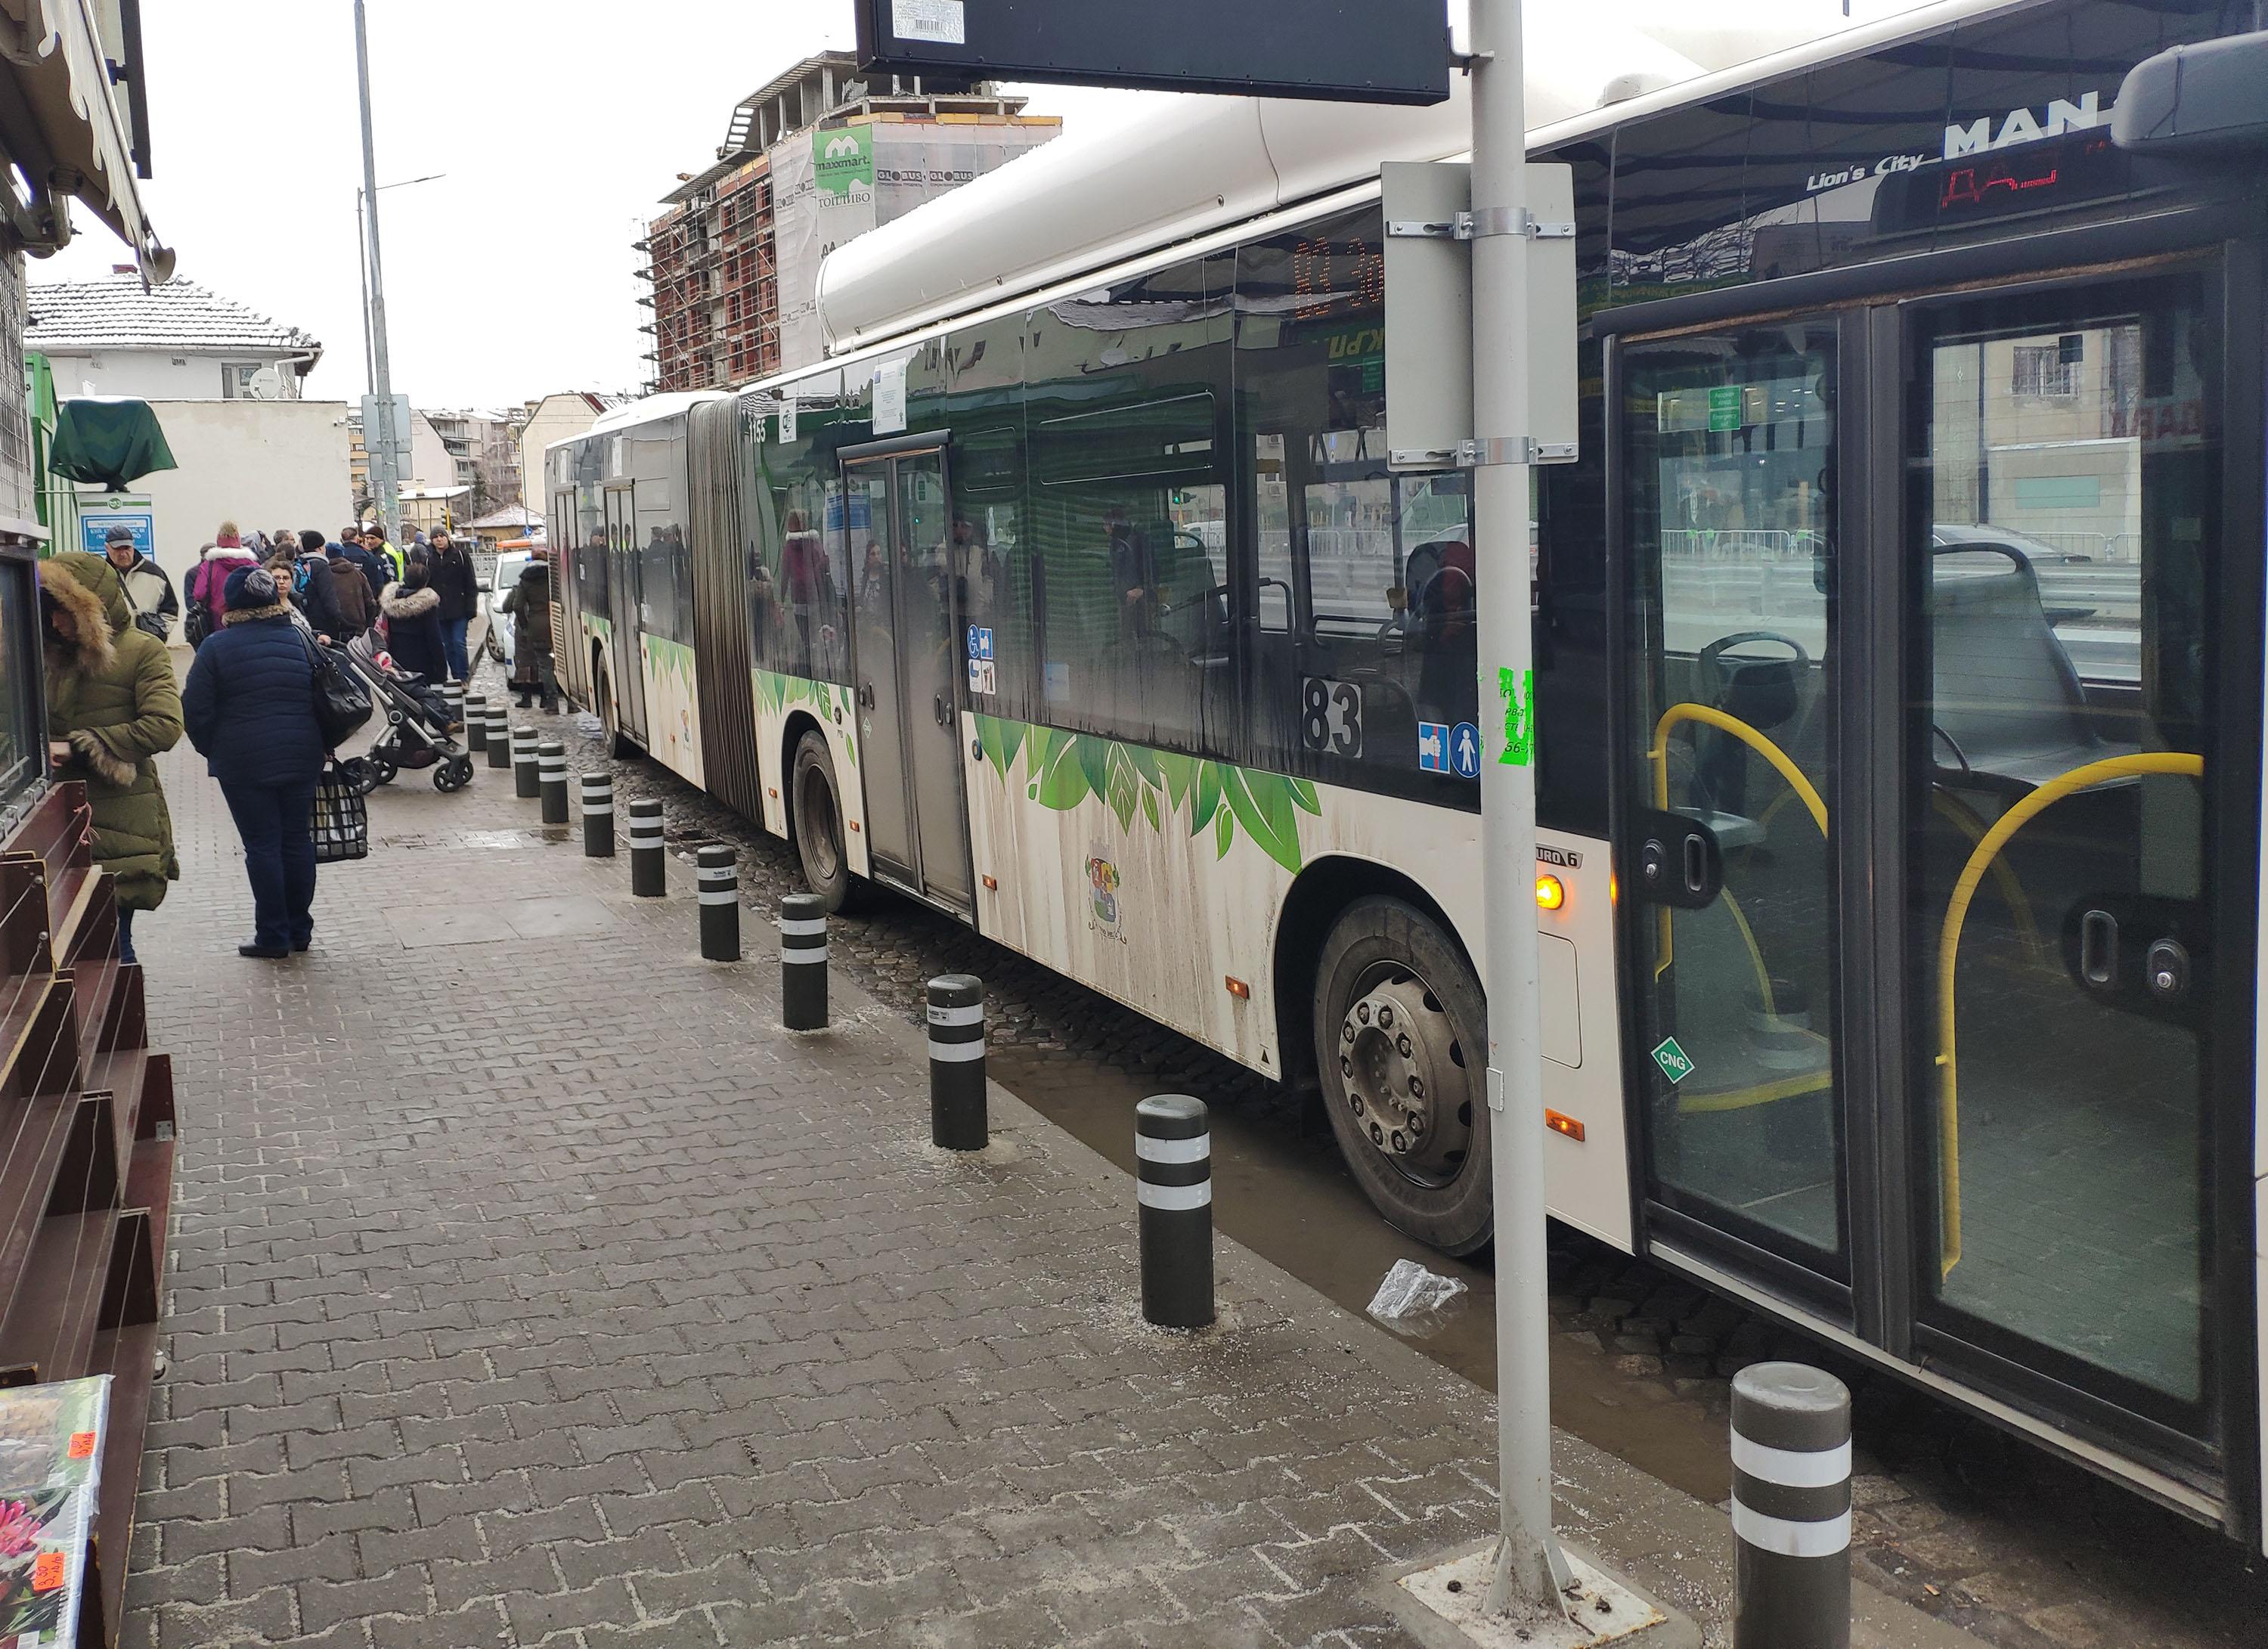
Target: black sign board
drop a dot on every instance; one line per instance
(1350, 51)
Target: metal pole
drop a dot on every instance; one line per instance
(368, 360)
(1173, 1184)
(499, 735)
(957, 1118)
(1790, 1508)
(1529, 1572)
(597, 816)
(648, 867)
(803, 962)
(716, 879)
(551, 780)
(383, 483)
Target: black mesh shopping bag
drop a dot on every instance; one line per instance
(342, 820)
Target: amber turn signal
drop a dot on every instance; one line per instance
(1238, 989)
(1560, 1124)
(1550, 893)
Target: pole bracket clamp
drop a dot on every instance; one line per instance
(1495, 220)
(1513, 449)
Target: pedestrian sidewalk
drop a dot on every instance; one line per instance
(530, 1287)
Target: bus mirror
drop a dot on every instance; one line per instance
(2195, 98)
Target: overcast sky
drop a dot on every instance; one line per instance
(558, 123)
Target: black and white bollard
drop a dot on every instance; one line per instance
(499, 739)
(477, 723)
(649, 870)
(803, 962)
(597, 816)
(527, 782)
(957, 1121)
(1790, 1508)
(551, 777)
(719, 879)
(1172, 1182)
(454, 697)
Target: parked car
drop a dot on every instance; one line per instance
(509, 562)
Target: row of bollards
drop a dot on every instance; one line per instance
(1791, 1429)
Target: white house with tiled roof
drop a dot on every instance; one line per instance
(177, 342)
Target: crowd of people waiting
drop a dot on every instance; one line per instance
(255, 611)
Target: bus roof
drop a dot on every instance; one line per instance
(1083, 204)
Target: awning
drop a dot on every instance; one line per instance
(60, 126)
(108, 441)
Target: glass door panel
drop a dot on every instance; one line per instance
(867, 553)
(623, 585)
(1730, 527)
(931, 564)
(2062, 524)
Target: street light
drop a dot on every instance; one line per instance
(362, 243)
(386, 483)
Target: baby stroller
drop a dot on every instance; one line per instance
(416, 722)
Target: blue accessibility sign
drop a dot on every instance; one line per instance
(1465, 750)
(1433, 746)
(980, 641)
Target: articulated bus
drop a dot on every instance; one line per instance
(1898, 713)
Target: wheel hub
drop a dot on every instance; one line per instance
(1404, 1086)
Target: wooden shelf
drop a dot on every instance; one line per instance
(86, 1161)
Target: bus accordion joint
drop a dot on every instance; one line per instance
(2170, 763)
(1560, 1122)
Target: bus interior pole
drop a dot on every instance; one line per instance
(1530, 1574)
(383, 483)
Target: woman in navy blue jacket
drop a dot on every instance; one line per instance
(412, 610)
(249, 705)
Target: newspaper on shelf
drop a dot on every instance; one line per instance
(51, 1441)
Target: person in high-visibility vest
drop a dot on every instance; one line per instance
(385, 548)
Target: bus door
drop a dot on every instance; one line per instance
(625, 586)
(907, 661)
(1927, 662)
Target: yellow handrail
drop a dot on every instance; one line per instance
(1658, 755)
(1948, 946)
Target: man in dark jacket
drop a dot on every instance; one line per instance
(377, 572)
(250, 707)
(315, 593)
(358, 602)
(454, 581)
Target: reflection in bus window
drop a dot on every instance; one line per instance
(1127, 551)
(799, 579)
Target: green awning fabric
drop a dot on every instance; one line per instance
(108, 441)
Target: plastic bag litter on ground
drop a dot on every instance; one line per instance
(1409, 1288)
(588, 724)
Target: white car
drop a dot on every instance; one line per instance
(508, 567)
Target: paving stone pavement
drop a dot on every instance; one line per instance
(537, 1291)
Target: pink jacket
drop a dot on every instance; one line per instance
(210, 576)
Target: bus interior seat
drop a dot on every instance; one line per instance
(2010, 711)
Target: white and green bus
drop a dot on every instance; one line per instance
(1898, 695)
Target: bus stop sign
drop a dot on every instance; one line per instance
(1348, 51)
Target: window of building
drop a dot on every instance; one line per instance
(2047, 372)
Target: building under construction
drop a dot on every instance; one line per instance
(816, 155)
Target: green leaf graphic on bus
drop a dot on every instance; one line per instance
(776, 693)
(1063, 768)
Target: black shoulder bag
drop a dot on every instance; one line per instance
(342, 702)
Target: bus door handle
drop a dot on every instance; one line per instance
(866, 695)
(1677, 859)
(937, 708)
(2098, 949)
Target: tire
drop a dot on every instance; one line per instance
(361, 772)
(383, 769)
(815, 812)
(617, 743)
(1394, 1000)
(447, 778)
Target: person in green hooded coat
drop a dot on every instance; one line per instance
(113, 706)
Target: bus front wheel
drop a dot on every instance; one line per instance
(818, 819)
(1402, 1050)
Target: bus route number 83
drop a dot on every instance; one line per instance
(1332, 716)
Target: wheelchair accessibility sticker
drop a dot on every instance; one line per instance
(980, 641)
(983, 672)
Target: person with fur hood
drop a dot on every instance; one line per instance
(412, 610)
(112, 708)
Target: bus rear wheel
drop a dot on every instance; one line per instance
(817, 805)
(610, 721)
(1402, 1050)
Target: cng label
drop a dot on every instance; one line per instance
(1673, 1060)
